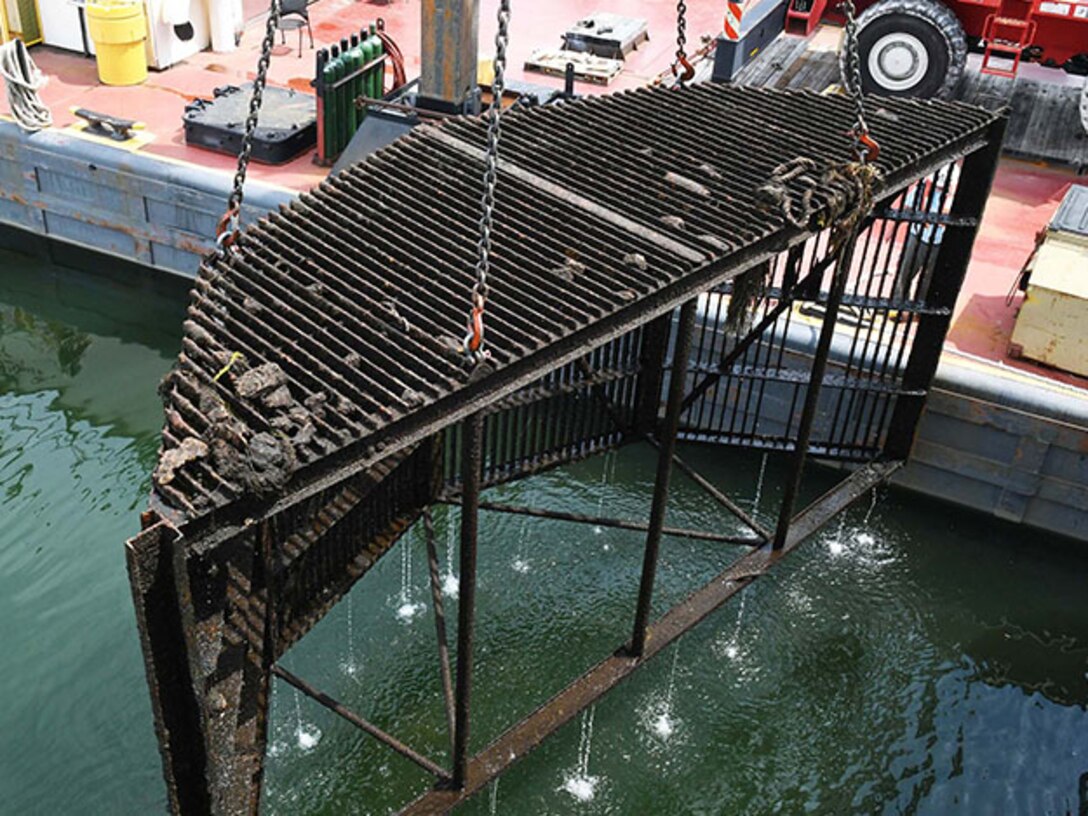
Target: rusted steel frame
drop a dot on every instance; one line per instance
(696, 477)
(666, 450)
(521, 738)
(592, 208)
(427, 420)
(269, 560)
(746, 342)
(785, 301)
(471, 476)
(844, 256)
(953, 255)
(594, 378)
(718, 496)
(619, 524)
(439, 623)
(338, 708)
(173, 697)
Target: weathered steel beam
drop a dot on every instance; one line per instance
(449, 34)
(440, 623)
(666, 450)
(471, 466)
(526, 735)
(719, 496)
(619, 524)
(843, 255)
(338, 708)
(975, 181)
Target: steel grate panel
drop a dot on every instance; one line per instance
(359, 291)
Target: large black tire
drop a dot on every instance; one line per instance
(1084, 106)
(910, 48)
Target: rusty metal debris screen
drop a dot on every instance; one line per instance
(320, 404)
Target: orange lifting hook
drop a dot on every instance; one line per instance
(227, 228)
(688, 70)
(474, 340)
(872, 148)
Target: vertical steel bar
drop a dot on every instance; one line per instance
(976, 178)
(812, 393)
(440, 624)
(472, 448)
(667, 447)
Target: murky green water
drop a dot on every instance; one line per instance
(922, 660)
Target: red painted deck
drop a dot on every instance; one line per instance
(1024, 198)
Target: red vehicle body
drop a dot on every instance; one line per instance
(1007, 32)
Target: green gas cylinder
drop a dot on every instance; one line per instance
(358, 85)
(367, 46)
(347, 100)
(377, 76)
(331, 123)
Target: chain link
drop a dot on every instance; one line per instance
(681, 67)
(228, 225)
(474, 339)
(851, 80)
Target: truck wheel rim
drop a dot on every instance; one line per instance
(898, 61)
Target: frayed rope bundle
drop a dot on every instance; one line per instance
(23, 81)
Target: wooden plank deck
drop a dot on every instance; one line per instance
(1044, 123)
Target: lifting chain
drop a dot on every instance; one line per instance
(227, 230)
(474, 339)
(864, 147)
(682, 68)
(847, 188)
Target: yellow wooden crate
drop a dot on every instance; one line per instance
(1052, 326)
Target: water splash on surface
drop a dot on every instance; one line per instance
(579, 783)
(350, 664)
(872, 507)
(307, 735)
(661, 718)
(838, 543)
(759, 485)
(407, 607)
(521, 564)
(450, 584)
(607, 476)
(493, 797)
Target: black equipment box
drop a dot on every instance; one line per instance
(287, 124)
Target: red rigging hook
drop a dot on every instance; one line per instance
(227, 228)
(870, 145)
(688, 70)
(474, 339)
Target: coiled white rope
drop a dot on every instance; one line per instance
(23, 81)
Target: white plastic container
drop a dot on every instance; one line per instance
(225, 18)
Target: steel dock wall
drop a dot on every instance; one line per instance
(1006, 443)
(160, 213)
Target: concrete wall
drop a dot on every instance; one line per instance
(159, 213)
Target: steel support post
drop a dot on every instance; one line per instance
(666, 449)
(471, 466)
(845, 255)
(440, 623)
(449, 34)
(975, 180)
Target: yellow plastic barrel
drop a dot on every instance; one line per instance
(119, 29)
